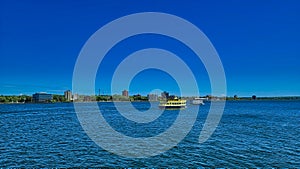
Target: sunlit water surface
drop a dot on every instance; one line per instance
(250, 134)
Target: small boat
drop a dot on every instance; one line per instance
(198, 101)
(174, 103)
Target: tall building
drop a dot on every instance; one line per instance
(152, 97)
(165, 95)
(125, 93)
(75, 97)
(41, 97)
(68, 95)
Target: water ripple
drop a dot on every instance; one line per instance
(250, 134)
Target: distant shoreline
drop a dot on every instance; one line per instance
(295, 98)
(54, 98)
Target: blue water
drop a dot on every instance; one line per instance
(250, 134)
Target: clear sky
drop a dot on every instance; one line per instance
(258, 42)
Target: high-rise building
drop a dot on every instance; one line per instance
(125, 93)
(41, 97)
(165, 95)
(152, 97)
(68, 95)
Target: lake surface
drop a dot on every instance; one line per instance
(250, 134)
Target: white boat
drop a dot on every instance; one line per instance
(198, 101)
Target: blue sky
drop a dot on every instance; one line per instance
(257, 41)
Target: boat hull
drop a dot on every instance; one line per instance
(197, 101)
(172, 107)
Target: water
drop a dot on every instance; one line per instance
(250, 134)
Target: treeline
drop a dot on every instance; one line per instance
(61, 98)
(28, 99)
(15, 99)
(58, 98)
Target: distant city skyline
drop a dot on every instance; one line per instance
(257, 41)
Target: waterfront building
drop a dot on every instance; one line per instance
(152, 97)
(75, 97)
(87, 99)
(125, 93)
(165, 95)
(68, 95)
(41, 97)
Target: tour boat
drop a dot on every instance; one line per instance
(174, 103)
